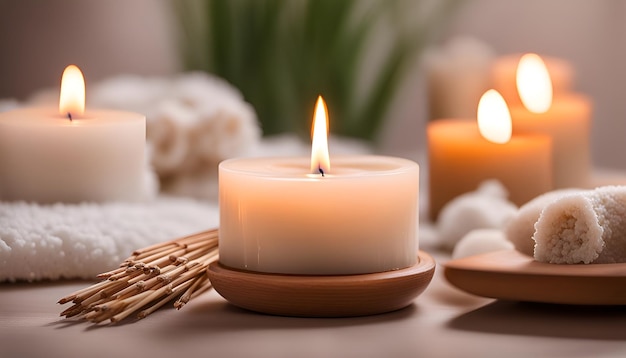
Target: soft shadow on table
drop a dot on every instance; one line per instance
(545, 320)
(211, 313)
(222, 316)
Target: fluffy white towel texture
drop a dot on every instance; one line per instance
(39, 242)
(585, 227)
(485, 208)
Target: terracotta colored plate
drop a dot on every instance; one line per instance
(511, 275)
(323, 296)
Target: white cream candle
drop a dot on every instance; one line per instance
(358, 217)
(47, 157)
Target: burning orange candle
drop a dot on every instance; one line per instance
(504, 77)
(566, 119)
(463, 153)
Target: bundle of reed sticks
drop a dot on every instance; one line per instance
(147, 280)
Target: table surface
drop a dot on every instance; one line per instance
(442, 322)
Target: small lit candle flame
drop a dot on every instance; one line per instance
(494, 119)
(72, 97)
(534, 84)
(320, 161)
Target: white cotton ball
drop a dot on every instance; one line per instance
(521, 227)
(481, 241)
(484, 208)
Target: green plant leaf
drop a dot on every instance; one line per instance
(281, 54)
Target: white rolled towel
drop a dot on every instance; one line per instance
(222, 128)
(586, 227)
(167, 133)
(225, 130)
(521, 228)
(194, 120)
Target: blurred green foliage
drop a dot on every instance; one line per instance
(283, 53)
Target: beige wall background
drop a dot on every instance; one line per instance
(38, 38)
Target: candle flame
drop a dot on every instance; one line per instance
(534, 84)
(320, 161)
(72, 97)
(494, 119)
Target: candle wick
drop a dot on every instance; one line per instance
(69, 115)
(321, 170)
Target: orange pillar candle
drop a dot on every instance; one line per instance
(565, 118)
(463, 153)
(504, 74)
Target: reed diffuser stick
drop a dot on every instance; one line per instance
(150, 278)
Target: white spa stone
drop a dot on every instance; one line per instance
(521, 227)
(485, 208)
(586, 227)
(481, 241)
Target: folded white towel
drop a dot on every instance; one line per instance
(40, 242)
(167, 133)
(587, 227)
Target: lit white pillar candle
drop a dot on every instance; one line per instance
(71, 155)
(291, 216)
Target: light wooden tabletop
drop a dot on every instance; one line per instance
(442, 322)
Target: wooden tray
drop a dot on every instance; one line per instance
(511, 275)
(323, 296)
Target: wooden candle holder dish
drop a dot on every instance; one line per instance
(323, 296)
